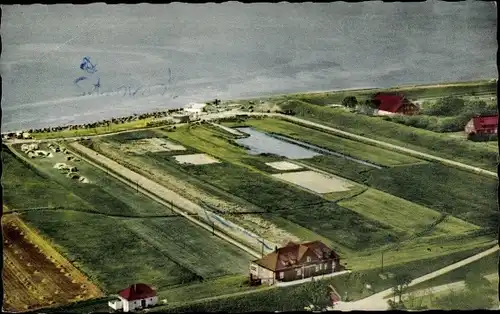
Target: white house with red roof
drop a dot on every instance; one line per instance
(137, 296)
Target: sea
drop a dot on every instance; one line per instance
(69, 64)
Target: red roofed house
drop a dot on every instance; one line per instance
(137, 296)
(390, 104)
(295, 261)
(480, 126)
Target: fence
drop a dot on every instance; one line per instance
(237, 231)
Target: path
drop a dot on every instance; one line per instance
(319, 126)
(377, 301)
(154, 190)
(447, 287)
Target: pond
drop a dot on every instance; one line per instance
(259, 142)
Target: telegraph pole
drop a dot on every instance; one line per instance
(382, 268)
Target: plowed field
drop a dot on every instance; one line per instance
(35, 275)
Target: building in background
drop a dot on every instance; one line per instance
(194, 108)
(137, 296)
(482, 126)
(391, 104)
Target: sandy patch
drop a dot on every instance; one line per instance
(315, 181)
(283, 165)
(152, 145)
(195, 159)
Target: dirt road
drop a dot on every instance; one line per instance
(450, 286)
(377, 301)
(359, 138)
(153, 190)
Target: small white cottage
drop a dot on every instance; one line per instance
(137, 296)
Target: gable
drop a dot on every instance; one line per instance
(389, 102)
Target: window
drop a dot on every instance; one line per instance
(320, 266)
(299, 271)
(317, 268)
(325, 266)
(308, 259)
(282, 275)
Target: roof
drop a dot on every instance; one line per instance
(290, 255)
(485, 122)
(137, 292)
(389, 102)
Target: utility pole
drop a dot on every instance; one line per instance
(382, 268)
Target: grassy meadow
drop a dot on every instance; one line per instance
(103, 194)
(295, 298)
(113, 234)
(24, 187)
(403, 216)
(328, 141)
(441, 145)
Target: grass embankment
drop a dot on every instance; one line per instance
(483, 267)
(441, 145)
(112, 128)
(411, 91)
(328, 141)
(473, 286)
(296, 297)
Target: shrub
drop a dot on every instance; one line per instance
(447, 106)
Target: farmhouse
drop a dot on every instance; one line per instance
(137, 296)
(295, 261)
(483, 125)
(391, 104)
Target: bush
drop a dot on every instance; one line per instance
(447, 106)
(349, 102)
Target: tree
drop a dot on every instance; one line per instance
(400, 284)
(350, 102)
(447, 106)
(317, 295)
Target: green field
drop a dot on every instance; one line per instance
(441, 145)
(294, 298)
(485, 266)
(117, 252)
(402, 215)
(103, 194)
(105, 230)
(464, 195)
(328, 141)
(24, 187)
(111, 254)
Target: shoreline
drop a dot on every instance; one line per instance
(166, 112)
